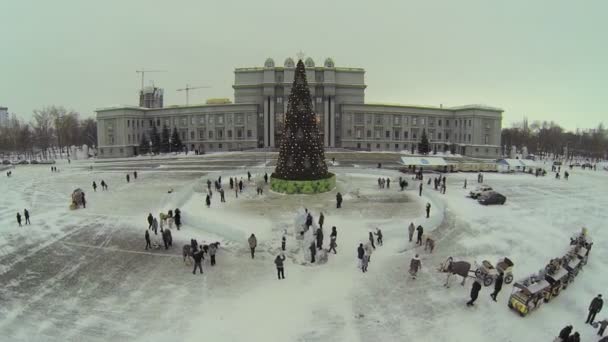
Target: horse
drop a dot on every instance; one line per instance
(460, 268)
(187, 253)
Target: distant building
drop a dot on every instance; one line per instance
(3, 116)
(151, 97)
(255, 119)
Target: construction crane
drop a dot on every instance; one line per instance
(143, 73)
(187, 90)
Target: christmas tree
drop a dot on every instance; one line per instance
(144, 146)
(301, 156)
(164, 140)
(176, 141)
(155, 138)
(424, 147)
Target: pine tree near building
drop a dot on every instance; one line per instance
(176, 141)
(301, 156)
(155, 138)
(424, 146)
(434, 149)
(144, 145)
(164, 140)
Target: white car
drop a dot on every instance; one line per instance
(479, 190)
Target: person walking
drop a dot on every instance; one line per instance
(84, 201)
(253, 243)
(248, 176)
(465, 182)
(178, 218)
(415, 265)
(208, 201)
(313, 252)
(320, 238)
(428, 210)
(212, 252)
(26, 214)
(575, 337)
(150, 220)
(222, 198)
(266, 177)
(241, 185)
(497, 286)
(360, 253)
(231, 183)
(420, 232)
(19, 219)
(128, 178)
(148, 244)
(338, 200)
(388, 183)
(379, 236)
(371, 240)
(135, 174)
(368, 251)
(104, 185)
(420, 190)
(594, 308)
(283, 242)
(364, 262)
(198, 260)
(564, 334)
(411, 230)
(155, 226)
(279, 262)
(603, 324)
(321, 220)
(443, 188)
(94, 186)
(474, 292)
(332, 244)
(308, 221)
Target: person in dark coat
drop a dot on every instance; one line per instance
(278, 261)
(253, 243)
(208, 201)
(474, 293)
(150, 220)
(320, 238)
(313, 252)
(128, 178)
(135, 174)
(321, 220)
(94, 186)
(371, 240)
(594, 308)
(332, 243)
(360, 252)
(212, 251)
(19, 219)
(231, 183)
(84, 201)
(603, 324)
(104, 185)
(565, 333)
(283, 243)
(178, 218)
(198, 259)
(338, 200)
(222, 198)
(266, 178)
(167, 238)
(428, 210)
(148, 244)
(420, 232)
(420, 190)
(193, 245)
(241, 185)
(388, 183)
(379, 237)
(308, 220)
(574, 337)
(497, 286)
(26, 214)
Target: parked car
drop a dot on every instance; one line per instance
(21, 162)
(479, 190)
(47, 161)
(6, 162)
(491, 197)
(34, 162)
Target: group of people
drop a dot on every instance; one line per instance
(166, 224)
(54, 169)
(104, 185)
(364, 252)
(128, 176)
(197, 252)
(384, 182)
(26, 215)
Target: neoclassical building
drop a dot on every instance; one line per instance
(255, 119)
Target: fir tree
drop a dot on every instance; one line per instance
(155, 138)
(435, 149)
(176, 141)
(301, 156)
(164, 140)
(453, 148)
(424, 146)
(144, 145)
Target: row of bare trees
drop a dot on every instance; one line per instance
(51, 127)
(549, 138)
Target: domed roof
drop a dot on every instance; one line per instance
(289, 63)
(309, 63)
(269, 63)
(329, 63)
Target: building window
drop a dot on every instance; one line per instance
(191, 135)
(219, 120)
(486, 139)
(469, 138)
(406, 134)
(396, 134)
(279, 99)
(183, 122)
(210, 146)
(349, 133)
(369, 133)
(487, 126)
(229, 134)
(431, 122)
(396, 120)
(476, 149)
(358, 133)
(210, 119)
(239, 119)
(455, 123)
(439, 136)
(359, 119)
(487, 150)
(129, 138)
(369, 146)
(396, 146)
(414, 135)
(447, 123)
(414, 121)
(377, 133)
(369, 119)
(405, 120)
(319, 99)
(101, 151)
(201, 134)
(219, 146)
(192, 120)
(470, 123)
(387, 134)
(210, 134)
(422, 121)
(158, 122)
(127, 123)
(121, 150)
(220, 133)
(378, 119)
(151, 123)
(378, 146)
(447, 135)
(431, 135)
(439, 122)
(248, 133)
(167, 123)
(239, 133)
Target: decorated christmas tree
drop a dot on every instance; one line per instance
(301, 156)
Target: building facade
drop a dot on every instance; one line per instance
(255, 120)
(3, 116)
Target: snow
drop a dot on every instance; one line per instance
(84, 274)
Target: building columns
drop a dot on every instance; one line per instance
(272, 121)
(332, 121)
(326, 123)
(266, 118)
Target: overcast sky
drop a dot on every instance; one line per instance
(544, 59)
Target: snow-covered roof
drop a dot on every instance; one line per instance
(511, 162)
(423, 161)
